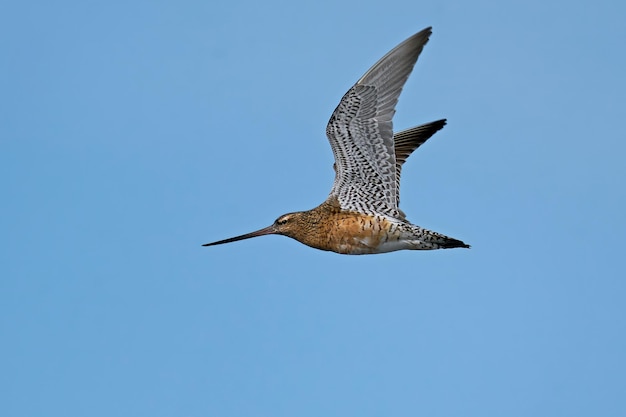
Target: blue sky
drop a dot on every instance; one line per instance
(133, 132)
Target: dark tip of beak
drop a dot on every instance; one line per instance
(265, 231)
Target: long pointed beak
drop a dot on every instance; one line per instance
(265, 231)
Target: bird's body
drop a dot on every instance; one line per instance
(361, 214)
(328, 227)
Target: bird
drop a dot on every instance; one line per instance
(361, 214)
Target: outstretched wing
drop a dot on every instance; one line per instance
(409, 140)
(360, 132)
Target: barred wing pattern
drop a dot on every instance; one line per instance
(360, 132)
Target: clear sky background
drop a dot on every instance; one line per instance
(133, 132)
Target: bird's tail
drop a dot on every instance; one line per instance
(454, 243)
(442, 241)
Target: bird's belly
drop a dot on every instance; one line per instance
(364, 234)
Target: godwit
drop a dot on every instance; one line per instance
(361, 214)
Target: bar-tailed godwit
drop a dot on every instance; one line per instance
(361, 214)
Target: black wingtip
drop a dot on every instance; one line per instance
(439, 124)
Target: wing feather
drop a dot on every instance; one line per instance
(360, 132)
(409, 140)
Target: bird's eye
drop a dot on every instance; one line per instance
(282, 220)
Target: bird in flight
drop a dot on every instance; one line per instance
(361, 214)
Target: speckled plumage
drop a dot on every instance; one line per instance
(362, 215)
